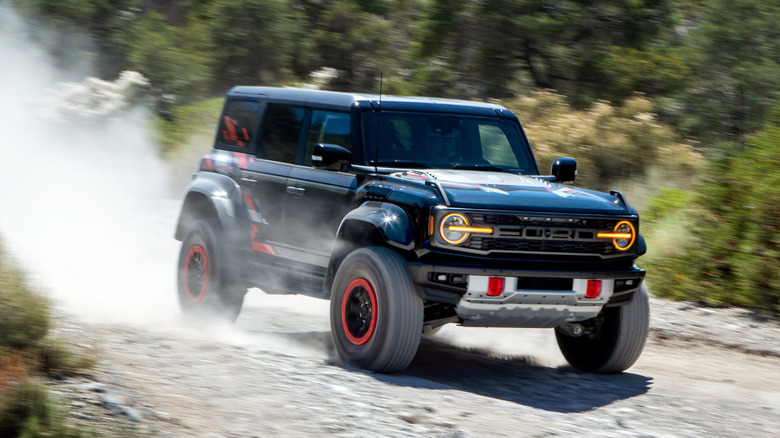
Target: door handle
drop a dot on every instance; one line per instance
(249, 180)
(297, 191)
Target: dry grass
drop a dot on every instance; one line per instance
(614, 146)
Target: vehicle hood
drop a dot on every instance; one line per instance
(507, 191)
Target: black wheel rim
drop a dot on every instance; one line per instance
(196, 273)
(359, 311)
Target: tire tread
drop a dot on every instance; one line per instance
(634, 327)
(403, 307)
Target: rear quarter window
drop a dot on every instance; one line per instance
(237, 123)
(282, 132)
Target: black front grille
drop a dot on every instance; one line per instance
(542, 234)
(524, 220)
(492, 244)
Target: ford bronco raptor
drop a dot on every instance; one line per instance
(408, 213)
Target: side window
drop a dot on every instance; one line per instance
(238, 120)
(281, 132)
(330, 128)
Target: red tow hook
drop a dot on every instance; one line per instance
(594, 289)
(495, 286)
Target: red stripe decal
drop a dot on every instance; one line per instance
(230, 125)
(241, 159)
(248, 202)
(263, 247)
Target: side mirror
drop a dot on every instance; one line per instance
(331, 157)
(564, 169)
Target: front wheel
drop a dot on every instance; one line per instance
(376, 316)
(612, 341)
(208, 283)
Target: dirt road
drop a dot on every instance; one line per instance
(275, 374)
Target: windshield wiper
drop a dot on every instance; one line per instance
(483, 167)
(403, 163)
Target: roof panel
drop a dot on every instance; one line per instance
(346, 100)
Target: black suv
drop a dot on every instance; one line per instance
(408, 213)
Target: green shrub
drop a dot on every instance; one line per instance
(29, 412)
(198, 120)
(733, 253)
(25, 350)
(56, 356)
(24, 315)
(667, 202)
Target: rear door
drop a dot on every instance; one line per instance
(265, 177)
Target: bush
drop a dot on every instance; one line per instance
(29, 412)
(24, 315)
(57, 357)
(25, 407)
(612, 145)
(198, 120)
(733, 254)
(667, 203)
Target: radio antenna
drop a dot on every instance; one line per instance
(378, 124)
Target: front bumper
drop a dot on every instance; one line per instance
(530, 298)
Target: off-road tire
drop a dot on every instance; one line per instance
(209, 288)
(613, 341)
(376, 316)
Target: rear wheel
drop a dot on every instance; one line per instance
(208, 283)
(376, 315)
(612, 341)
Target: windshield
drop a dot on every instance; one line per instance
(445, 141)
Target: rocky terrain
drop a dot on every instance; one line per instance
(704, 372)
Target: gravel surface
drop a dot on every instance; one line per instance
(734, 328)
(704, 372)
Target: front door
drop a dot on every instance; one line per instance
(317, 200)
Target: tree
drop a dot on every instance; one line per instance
(359, 39)
(735, 57)
(174, 59)
(570, 46)
(251, 40)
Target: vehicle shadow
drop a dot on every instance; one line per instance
(516, 379)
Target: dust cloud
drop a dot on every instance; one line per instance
(84, 202)
(88, 209)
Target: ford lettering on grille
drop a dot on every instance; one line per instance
(542, 235)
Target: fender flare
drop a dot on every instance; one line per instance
(641, 245)
(390, 220)
(373, 223)
(211, 195)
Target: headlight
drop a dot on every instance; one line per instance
(623, 235)
(456, 229)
